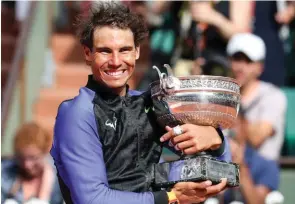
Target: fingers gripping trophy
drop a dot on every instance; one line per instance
(201, 100)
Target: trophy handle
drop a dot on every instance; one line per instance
(162, 77)
(168, 81)
(169, 70)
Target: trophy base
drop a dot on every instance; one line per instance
(199, 168)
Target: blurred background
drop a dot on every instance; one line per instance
(42, 63)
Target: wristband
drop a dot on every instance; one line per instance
(172, 199)
(218, 152)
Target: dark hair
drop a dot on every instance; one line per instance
(109, 14)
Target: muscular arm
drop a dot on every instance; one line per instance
(78, 156)
(258, 132)
(239, 17)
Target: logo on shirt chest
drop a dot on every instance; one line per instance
(112, 124)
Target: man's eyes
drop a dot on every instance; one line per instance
(125, 50)
(105, 51)
(108, 51)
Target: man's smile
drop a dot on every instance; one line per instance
(115, 73)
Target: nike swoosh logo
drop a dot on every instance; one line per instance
(146, 110)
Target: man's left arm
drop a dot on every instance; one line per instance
(271, 119)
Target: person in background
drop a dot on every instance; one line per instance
(258, 176)
(269, 17)
(30, 174)
(217, 22)
(264, 103)
(287, 13)
(163, 21)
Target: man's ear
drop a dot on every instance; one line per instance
(137, 50)
(260, 68)
(87, 55)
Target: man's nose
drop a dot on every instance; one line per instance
(115, 61)
(236, 67)
(27, 164)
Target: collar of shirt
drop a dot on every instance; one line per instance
(105, 92)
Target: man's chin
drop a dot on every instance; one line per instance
(116, 84)
(241, 82)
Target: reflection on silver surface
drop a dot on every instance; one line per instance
(199, 99)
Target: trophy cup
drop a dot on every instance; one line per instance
(201, 100)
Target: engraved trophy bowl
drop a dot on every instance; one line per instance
(201, 100)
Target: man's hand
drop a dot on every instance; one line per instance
(191, 192)
(197, 66)
(193, 139)
(287, 15)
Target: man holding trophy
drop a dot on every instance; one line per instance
(108, 140)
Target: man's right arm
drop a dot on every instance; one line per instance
(78, 156)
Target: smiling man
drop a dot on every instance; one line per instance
(110, 68)
(106, 139)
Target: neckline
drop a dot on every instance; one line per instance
(103, 90)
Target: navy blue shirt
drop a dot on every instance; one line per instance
(78, 154)
(266, 27)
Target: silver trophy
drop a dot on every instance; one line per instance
(202, 100)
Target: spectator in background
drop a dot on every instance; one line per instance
(286, 14)
(268, 19)
(258, 176)
(264, 103)
(30, 176)
(217, 23)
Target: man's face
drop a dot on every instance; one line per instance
(31, 161)
(244, 70)
(113, 56)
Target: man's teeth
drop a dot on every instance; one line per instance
(114, 73)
